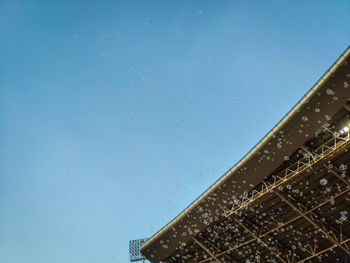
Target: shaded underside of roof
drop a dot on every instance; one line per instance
(272, 230)
(322, 105)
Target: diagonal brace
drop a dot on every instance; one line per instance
(280, 195)
(206, 250)
(337, 175)
(255, 236)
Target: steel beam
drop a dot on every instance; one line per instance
(258, 238)
(233, 247)
(267, 236)
(207, 250)
(316, 215)
(225, 255)
(337, 175)
(333, 240)
(321, 153)
(315, 254)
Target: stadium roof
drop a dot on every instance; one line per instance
(226, 223)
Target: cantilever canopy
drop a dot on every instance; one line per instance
(325, 105)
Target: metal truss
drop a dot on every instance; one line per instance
(282, 224)
(321, 228)
(230, 249)
(265, 235)
(292, 171)
(314, 214)
(207, 250)
(337, 238)
(225, 255)
(258, 238)
(314, 253)
(331, 170)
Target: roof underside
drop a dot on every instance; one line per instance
(203, 232)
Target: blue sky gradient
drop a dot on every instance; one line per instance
(116, 115)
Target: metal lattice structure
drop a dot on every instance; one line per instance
(293, 171)
(330, 235)
(134, 249)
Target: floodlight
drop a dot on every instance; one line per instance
(134, 249)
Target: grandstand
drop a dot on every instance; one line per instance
(287, 200)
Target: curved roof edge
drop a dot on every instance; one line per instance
(257, 147)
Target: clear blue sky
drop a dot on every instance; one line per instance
(116, 115)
